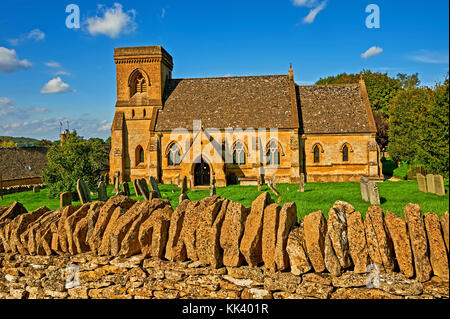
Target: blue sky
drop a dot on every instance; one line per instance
(50, 73)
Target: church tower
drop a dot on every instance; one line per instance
(142, 74)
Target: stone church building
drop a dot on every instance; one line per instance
(170, 128)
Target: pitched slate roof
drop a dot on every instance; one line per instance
(334, 109)
(21, 163)
(238, 102)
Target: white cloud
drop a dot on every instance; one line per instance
(371, 52)
(9, 109)
(55, 86)
(6, 106)
(62, 73)
(36, 35)
(305, 3)
(313, 13)
(113, 22)
(9, 62)
(53, 64)
(432, 57)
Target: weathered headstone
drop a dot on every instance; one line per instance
(36, 189)
(421, 182)
(301, 187)
(364, 188)
(126, 189)
(65, 199)
(259, 181)
(116, 182)
(439, 185)
(184, 186)
(136, 188)
(83, 192)
(102, 194)
(176, 180)
(143, 188)
(154, 186)
(374, 196)
(212, 188)
(430, 184)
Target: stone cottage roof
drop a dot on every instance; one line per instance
(335, 109)
(21, 163)
(237, 102)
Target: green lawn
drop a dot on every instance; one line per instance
(317, 196)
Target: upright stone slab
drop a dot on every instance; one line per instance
(438, 253)
(136, 188)
(212, 187)
(176, 225)
(378, 240)
(315, 229)
(337, 231)
(143, 188)
(184, 186)
(251, 245)
(418, 238)
(154, 186)
(402, 247)
(445, 229)
(287, 220)
(231, 234)
(269, 235)
(439, 185)
(421, 182)
(301, 187)
(364, 188)
(102, 193)
(430, 184)
(357, 242)
(65, 199)
(296, 250)
(126, 189)
(374, 196)
(83, 192)
(259, 182)
(36, 189)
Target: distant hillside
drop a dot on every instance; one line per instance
(21, 141)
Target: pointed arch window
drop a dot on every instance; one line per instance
(273, 154)
(174, 156)
(239, 157)
(345, 153)
(140, 156)
(138, 83)
(316, 154)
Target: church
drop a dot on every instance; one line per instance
(236, 130)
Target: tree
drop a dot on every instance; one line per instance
(72, 159)
(408, 81)
(44, 143)
(6, 144)
(382, 136)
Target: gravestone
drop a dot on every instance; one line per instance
(126, 189)
(154, 186)
(301, 187)
(102, 194)
(116, 182)
(421, 182)
(65, 199)
(136, 188)
(176, 180)
(364, 188)
(430, 184)
(36, 189)
(184, 186)
(212, 188)
(83, 192)
(439, 185)
(259, 180)
(374, 196)
(143, 188)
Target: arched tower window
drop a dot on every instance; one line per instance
(345, 153)
(140, 157)
(239, 154)
(273, 154)
(174, 156)
(316, 154)
(138, 83)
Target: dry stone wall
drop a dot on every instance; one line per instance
(216, 248)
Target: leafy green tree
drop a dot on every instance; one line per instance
(44, 143)
(72, 159)
(408, 81)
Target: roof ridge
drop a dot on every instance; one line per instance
(231, 77)
(329, 85)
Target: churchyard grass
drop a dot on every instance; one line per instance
(394, 196)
